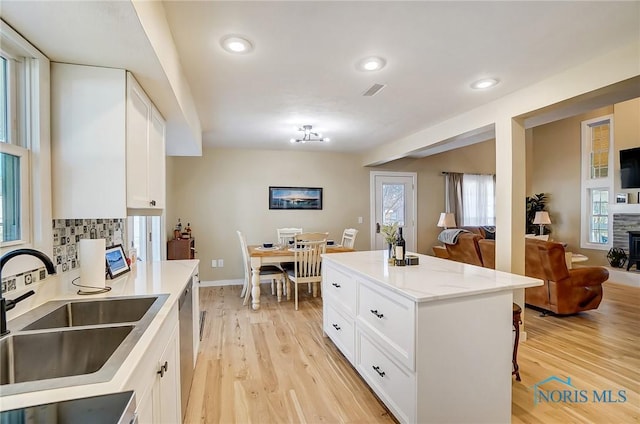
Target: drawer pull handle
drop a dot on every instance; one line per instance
(377, 369)
(336, 285)
(336, 326)
(376, 313)
(163, 369)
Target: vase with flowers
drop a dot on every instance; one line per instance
(390, 231)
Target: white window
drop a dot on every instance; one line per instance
(597, 183)
(14, 153)
(478, 200)
(24, 145)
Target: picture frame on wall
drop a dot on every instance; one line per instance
(298, 198)
(116, 261)
(622, 198)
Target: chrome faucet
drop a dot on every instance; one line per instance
(8, 304)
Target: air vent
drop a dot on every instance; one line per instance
(373, 90)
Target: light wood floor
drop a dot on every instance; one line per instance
(275, 366)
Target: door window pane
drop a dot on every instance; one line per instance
(393, 204)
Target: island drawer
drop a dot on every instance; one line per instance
(395, 385)
(341, 330)
(341, 287)
(389, 317)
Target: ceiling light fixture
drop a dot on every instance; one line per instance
(373, 63)
(485, 83)
(236, 44)
(309, 136)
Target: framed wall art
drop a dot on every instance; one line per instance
(295, 198)
(116, 261)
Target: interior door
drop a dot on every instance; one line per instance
(393, 199)
(145, 237)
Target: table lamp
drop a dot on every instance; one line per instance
(446, 220)
(542, 218)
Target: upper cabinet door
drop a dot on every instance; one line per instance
(88, 142)
(157, 159)
(138, 129)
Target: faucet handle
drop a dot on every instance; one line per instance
(11, 303)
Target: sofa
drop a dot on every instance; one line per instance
(564, 291)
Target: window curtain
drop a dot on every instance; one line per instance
(479, 200)
(453, 195)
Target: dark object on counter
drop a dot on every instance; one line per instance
(7, 305)
(412, 260)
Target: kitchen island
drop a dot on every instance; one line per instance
(157, 396)
(433, 341)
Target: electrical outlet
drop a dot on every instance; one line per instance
(360, 220)
(220, 263)
(214, 263)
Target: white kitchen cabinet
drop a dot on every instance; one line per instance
(166, 388)
(433, 341)
(104, 139)
(156, 380)
(145, 150)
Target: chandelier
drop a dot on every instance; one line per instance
(309, 135)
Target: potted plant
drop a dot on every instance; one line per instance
(390, 231)
(535, 203)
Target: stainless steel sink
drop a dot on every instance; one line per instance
(54, 354)
(68, 343)
(95, 312)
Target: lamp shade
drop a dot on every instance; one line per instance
(542, 218)
(446, 220)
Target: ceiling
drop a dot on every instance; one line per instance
(302, 68)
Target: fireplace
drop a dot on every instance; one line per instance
(634, 249)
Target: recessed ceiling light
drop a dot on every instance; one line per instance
(236, 44)
(372, 63)
(485, 83)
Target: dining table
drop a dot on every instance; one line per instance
(274, 255)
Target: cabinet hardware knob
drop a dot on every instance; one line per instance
(163, 369)
(380, 373)
(152, 203)
(336, 326)
(336, 285)
(376, 313)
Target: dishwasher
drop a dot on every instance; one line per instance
(185, 316)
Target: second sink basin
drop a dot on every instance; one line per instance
(94, 312)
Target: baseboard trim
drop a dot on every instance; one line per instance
(620, 276)
(218, 283)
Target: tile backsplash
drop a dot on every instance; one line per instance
(68, 232)
(66, 235)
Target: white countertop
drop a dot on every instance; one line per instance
(167, 277)
(433, 279)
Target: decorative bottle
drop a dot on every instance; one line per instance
(400, 249)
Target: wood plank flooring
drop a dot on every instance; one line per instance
(275, 366)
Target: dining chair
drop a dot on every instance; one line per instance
(349, 237)
(267, 272)
(308, 251)
(286, 234)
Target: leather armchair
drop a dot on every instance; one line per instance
(564, 291)
(466, 249)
